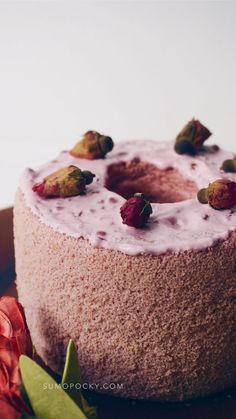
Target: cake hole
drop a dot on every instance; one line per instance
(158, 185)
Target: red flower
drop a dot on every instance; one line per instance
(13, 326)
(7, 410)
(14, 341)
(9, 364)
(12, 405)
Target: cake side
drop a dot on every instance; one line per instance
(163, 326)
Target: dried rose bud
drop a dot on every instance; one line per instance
(190, 140)
(136, 211)
(92, 146)
(69, 181)
(220, 194)
(229, 166)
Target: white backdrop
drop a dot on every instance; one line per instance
(128, 69)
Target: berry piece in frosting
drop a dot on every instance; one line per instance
(92, 146)
(190, 140)
(136, 211)
(229, 166)
(69, 181)
(220, 194)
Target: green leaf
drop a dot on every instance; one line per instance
(47, 398)
(71, 374)
(72, 377)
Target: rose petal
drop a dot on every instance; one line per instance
(14, 312)
(15, 398)
(10, 359)
(13, 324)
(5, 325)
(4, 378)
(14, 341)
(7, 410)
(12, 404)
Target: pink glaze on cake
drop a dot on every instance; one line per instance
(174, 226)
(152, 309)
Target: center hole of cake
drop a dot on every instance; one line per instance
(158, 185)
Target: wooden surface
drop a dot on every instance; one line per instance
(218, 406)
(7, 265)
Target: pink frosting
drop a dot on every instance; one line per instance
(96, 217)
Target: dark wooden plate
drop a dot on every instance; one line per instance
(218, 406)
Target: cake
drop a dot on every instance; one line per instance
(152, 309)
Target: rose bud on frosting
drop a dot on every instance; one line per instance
(69, 181)
(190, 140)
(229, 165)
(136, 211)
(220, 194)
(92, 146)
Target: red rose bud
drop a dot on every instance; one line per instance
(136, 211)
(190, 140)
(220, 194)
(69, 181)
(229, 166)
(92, 146)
